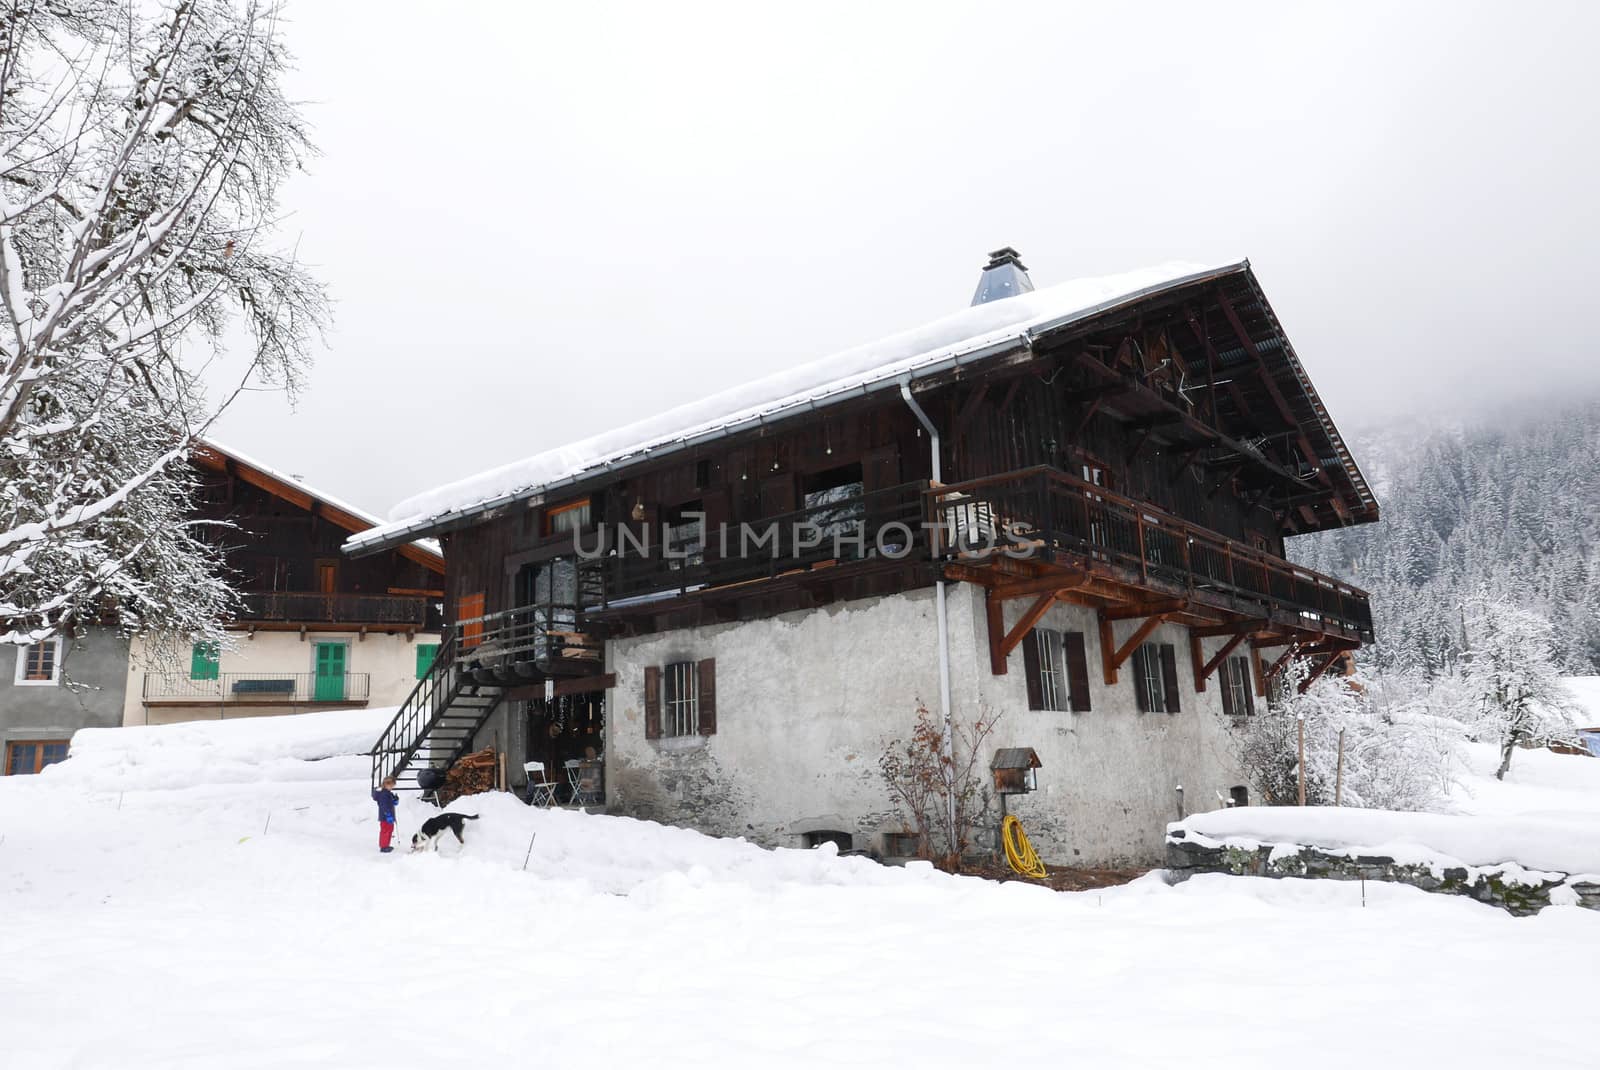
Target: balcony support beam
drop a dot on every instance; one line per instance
(1111, 655)
(1203, 670)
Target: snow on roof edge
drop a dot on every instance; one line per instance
(828, 378)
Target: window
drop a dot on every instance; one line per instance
(567, 518)
(686, 534)
(39, 664)
(1155, 678)
(680, 699)
(834, 505)
(1057, 671)
(205, 661)
(426, 652)
(32, 756)
(1238, 689)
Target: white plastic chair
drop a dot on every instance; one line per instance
(584, 778)
(541, 792)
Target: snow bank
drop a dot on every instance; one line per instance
(307, 746)
(1567, 844)
(971, 328)
(1586, 693)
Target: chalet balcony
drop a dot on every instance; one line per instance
(242, 689)
(1021, 528)
(878, 529)
(315, 609)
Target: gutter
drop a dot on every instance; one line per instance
(946, 732)
(357, 546)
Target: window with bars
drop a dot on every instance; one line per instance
(39, 663)
(1155, 678)
(1238, 687)
(31, 756)
(680, 699)
(1056, 669)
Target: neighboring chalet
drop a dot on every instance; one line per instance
(1139, 446)
(316, 630)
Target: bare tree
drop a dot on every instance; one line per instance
(938, 792)
(142, 146)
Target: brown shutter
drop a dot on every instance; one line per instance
(708, 697)
(1169, 675)
(1077, 671)
(1030, 669)
(652, 702)
(1224, 677)
(1141, 678)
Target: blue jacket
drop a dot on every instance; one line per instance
(387, 801)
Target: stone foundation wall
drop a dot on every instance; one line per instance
(1508, 886)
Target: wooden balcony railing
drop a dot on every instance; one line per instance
(256, 688)
(1043, 512)
(850, 527)
(315, 607)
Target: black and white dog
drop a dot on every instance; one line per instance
(434, 828)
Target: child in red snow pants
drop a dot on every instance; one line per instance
(386, 800)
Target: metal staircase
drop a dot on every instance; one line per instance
(436, 723)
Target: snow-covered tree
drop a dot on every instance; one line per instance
(1513, 680)
(142, 146)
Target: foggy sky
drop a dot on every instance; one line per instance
(539, 224)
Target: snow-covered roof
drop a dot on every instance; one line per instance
(970, 333)
(430, 546)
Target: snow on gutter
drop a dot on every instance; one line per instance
(887, 376)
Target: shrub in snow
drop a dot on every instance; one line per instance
(142, 148)
(1397, 755)
(1512, 679)
(936, 791)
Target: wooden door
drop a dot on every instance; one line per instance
(330, 668)
(469, 625)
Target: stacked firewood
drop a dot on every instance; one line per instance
(474, 773)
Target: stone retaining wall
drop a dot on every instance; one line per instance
(1507, 886)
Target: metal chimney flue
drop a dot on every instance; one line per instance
(1004, 276)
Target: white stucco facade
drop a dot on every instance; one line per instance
(808, 701)
(389, 661)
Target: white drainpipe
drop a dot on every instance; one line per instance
(946, 741)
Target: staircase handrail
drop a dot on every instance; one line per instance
(405, 732)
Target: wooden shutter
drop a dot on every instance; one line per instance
(1077, 671)
(1169, 675)
(425, 655)
(1141, 678)
(1225, 678)
(1030, 669)
(652, 702)
(708, 696)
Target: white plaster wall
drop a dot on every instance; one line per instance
(807, 702)
(390, 661)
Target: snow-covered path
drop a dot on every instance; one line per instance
(173, 932)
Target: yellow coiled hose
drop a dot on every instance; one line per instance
(1019, 852)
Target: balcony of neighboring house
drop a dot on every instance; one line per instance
(322, 611)
(1038, 530)
(224, 691)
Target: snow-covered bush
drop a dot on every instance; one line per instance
(1399, 754)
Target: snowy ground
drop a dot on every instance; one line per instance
(155, 917)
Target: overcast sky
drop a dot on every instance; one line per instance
(542, 221)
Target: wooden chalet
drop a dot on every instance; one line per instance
(312, 620)
(1143, 447)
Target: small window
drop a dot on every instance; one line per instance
(842, 840)
(426, 652)
(1238, 690)
(1155, 678)
(205, 661)
(1057, 671)
(702, 474)
(567, 518)
(686, 534)
(39, 664)
(1238, 795)
(23, 758)
(681, 700)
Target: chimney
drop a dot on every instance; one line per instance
(1005, 276)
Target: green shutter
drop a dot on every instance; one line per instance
(426, 652)
(204, 661)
